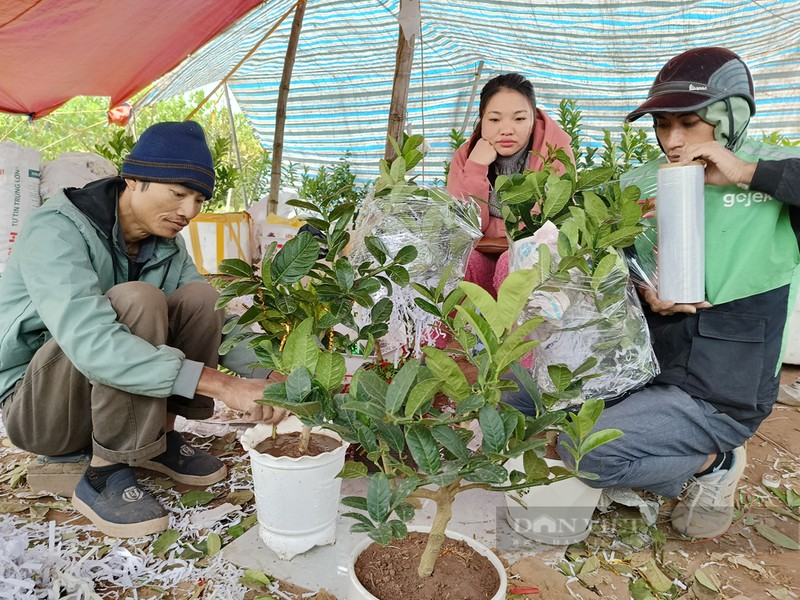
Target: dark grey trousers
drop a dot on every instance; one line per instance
(56, 410)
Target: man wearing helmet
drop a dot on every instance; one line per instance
(720, 358)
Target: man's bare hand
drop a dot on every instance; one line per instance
(668, 307)
(723, 167)
(241, 394)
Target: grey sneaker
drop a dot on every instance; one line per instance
(122, 509)
(706, 506)
(186, 464)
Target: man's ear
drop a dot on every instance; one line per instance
(130, 183)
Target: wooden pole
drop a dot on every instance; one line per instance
(402, 76)
(280, 113)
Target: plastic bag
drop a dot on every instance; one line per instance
(587, 317)
(443, 229)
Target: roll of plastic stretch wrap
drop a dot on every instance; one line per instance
(680, 216)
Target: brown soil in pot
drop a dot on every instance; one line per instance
(461, 573)
(288, 444)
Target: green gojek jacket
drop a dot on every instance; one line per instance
(729, 355)
(63, 262)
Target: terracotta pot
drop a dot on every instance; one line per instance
(297, 499)
(356, 591)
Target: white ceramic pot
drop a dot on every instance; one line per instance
(559, 513)
(297, 499)
(356, 591)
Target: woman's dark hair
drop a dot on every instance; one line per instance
(509, 81)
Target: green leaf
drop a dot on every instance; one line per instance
(164, 542)
(391, 434)
(556, 199)
(486, 304)
(344, 273)
(301, 348)
(378, 494)
(377, 248)
(423, 448)
(298, 385)
(353, 470)
(213, 544)
(776, 537)
(494, 433)
(707, 579)
(371, 388)
(535, 466)
(449, 438)
(405, 255)
(428, 307)
(603, 268)
(235, 267)
(295, 259)
(513, 294)
(514, 347)
(480, 327)
(598, 438)
(421, 394)
(621, 238)
(196, 498)
(382, 310)
(471, 403)
(255, 578)
(330, 370)
(596, 209)
(487, 472)
(398, 170)
(401, 386)
(657, 580)
(454, 383)
(592, 178)
(357, 502)
(560, 375)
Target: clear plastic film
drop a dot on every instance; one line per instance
(443, 229)
(587, 318)
(680, 216)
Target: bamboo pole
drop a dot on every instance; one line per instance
(402, 77)
(468, 112)
(280, 113)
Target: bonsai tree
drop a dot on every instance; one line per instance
(421, 451)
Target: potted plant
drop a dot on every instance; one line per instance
(307, 286)
(423, 452)
(576, 227)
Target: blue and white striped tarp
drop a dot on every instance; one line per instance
(603, 54)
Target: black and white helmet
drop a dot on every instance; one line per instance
(697, 78)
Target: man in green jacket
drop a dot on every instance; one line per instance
(108, 332)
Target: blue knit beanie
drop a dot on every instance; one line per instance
(172, 152)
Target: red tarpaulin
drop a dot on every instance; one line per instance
(53, 50)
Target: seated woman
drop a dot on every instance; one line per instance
(511, 135)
